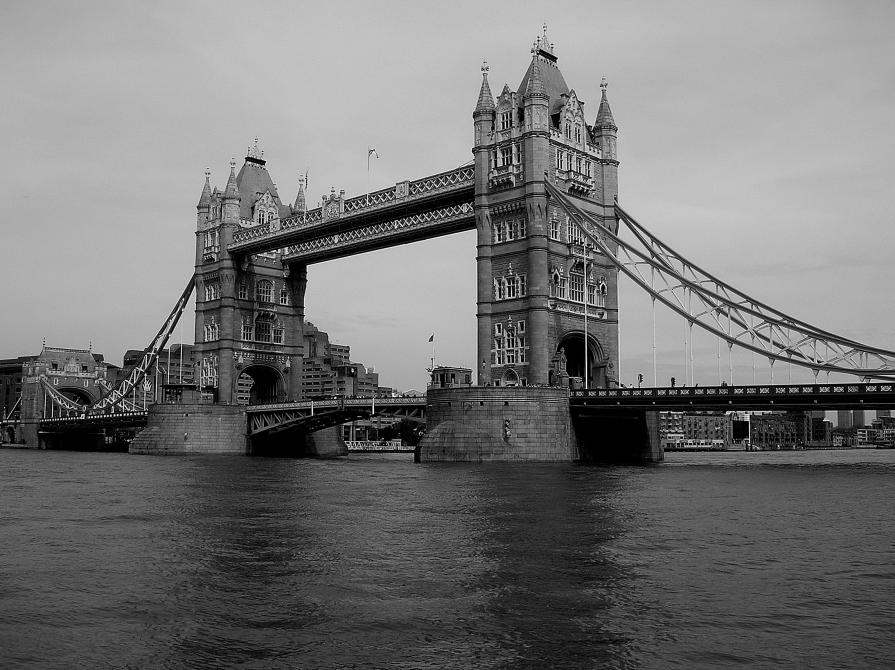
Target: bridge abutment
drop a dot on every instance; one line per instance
(192, 429)
(475, 424)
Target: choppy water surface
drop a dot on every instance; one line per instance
(709, 561)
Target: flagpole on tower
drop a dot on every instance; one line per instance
(432, 340)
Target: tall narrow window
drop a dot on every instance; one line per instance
(284, 296)
(576, 285)
(554, 225)
(511, 287)
(506, 155)
(262, 329)
(243, 291)
(264, 291)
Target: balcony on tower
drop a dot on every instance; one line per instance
(506, 166)
(505, 176)
(212, 246)
(576, 182)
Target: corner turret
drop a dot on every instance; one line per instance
(230, 210)
(605, 130)
(483, 115)
(204, 207)
(300, 206)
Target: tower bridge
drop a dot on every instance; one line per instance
(552, 244)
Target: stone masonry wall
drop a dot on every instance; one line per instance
(192, 429)
(498, 424)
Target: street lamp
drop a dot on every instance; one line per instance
(584, 300)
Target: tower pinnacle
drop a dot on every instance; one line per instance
(205, 198)
(300, 205)
(543, 47)
(604, 114)
(254, 154)
(486, 100)
(232, 190)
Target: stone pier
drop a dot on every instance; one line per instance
(192, 429)
(493, 423)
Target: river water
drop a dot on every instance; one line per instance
(761, 560)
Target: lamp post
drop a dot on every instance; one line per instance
(584, 277)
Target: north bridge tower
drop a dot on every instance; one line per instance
(249, 308)
(536, 273)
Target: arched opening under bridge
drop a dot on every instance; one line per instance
(572, 347)
(259, 384)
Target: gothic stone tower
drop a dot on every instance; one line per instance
(249, 310)
(535, 273)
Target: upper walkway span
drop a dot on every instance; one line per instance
(408, 212)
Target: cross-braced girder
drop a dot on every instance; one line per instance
(714, 306)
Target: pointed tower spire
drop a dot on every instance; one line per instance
(486, 100)
(604, 114)
(300, 205)
(232, 190)
(535, 80)
(205, 198)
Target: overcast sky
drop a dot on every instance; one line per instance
(755, 137)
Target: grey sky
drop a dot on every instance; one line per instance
(755, 137)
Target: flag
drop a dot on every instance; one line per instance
(432, 337)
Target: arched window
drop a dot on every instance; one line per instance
(264, 291)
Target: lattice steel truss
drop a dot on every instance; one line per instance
(117, 398)
(380, 231)
(714, 306)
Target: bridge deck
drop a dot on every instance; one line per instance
(416, 401)
(752, 396)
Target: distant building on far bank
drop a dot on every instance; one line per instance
(790, 430)
(444, 376)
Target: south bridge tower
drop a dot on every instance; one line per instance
(536, 273)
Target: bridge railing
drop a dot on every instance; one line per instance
(338, 403)
(779, 390)
(117, 417)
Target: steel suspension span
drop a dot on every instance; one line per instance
(116, 398)
(718, 308)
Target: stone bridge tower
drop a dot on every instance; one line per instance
(250, 309)
(535, 274)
